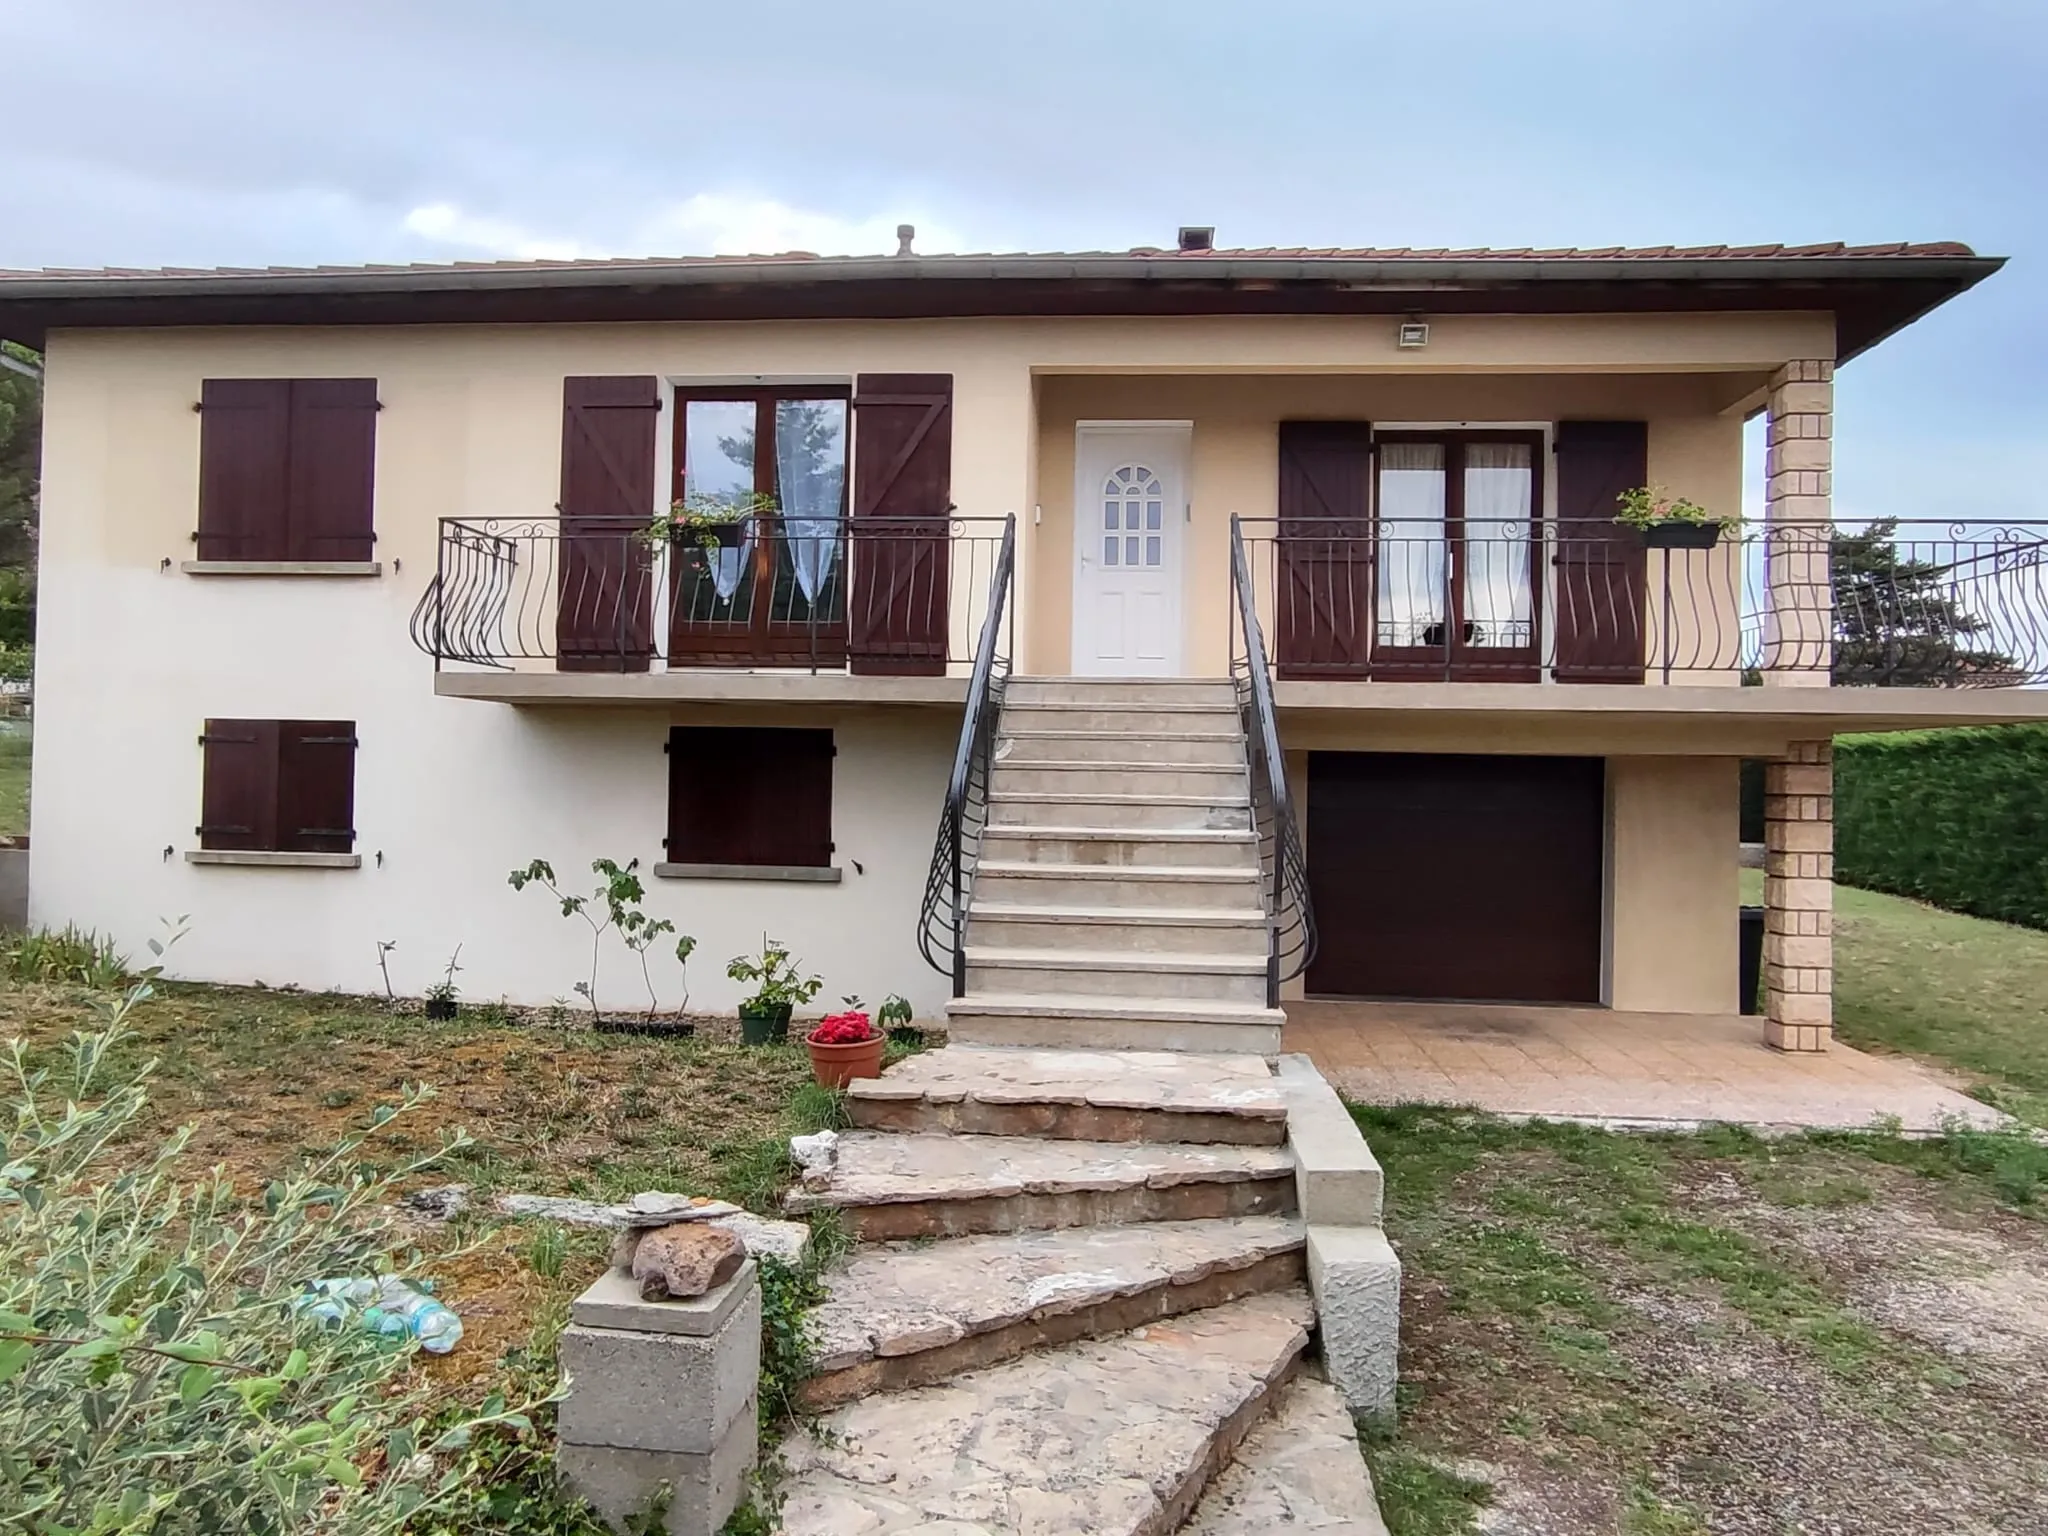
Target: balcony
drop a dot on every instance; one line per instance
(1892, 604)
(536, 609)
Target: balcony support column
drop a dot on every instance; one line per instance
(1798, 524)
(1799, 897)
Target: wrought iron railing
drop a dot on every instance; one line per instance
(1291, 920)
(942, 919)
(1892, 603)
(877, 594)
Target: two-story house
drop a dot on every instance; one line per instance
(1243, 623)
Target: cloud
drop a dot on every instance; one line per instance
(707, 224)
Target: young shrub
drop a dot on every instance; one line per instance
(72, 955)
(619, 894)
(158, 1370)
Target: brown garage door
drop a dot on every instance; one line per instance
(1468, 878)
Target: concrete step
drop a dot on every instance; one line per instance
(1095, 973)
(1087, 716)
(1014, 883)
(1122, 743)
(1113, 692)
(1053, 1021)
(1113, 1437)
(892, 1186)
(1041, 844)
(1070, 807)
(1079, 1095)
(902, 1315)
(1071, 777)
(1298, 1470)
(1144, 930)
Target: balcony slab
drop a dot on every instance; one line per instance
(701, 686)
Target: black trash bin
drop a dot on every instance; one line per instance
(1752, 962)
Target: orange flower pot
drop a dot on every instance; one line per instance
(837, 1065)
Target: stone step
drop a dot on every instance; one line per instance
(1146, 930)
(1014, 883)
(904, 1315)
(1123, 743)
(1080, 1095)
(1086, 716)
(1056, 1021)
(1111, 692)
(1071, 807)
(1298, 1470)
(1112, 1437)
(892, 1186)
(1043, 844)
(1065, 776)
(1095, 973)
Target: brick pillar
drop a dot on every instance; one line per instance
(1799, 897)
(1798, 518)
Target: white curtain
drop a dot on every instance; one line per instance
(1498, 480)
(810, 464)
(1412, 586)
(718, 461)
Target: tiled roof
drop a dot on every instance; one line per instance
(1730, 253)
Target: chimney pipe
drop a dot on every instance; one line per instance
(905, 233)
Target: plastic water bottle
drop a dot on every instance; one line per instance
(436, 1326)
(330, 1303)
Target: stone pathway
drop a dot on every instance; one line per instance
(1300, 1470)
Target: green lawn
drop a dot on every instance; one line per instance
(1670, 1336)
(1960, 992)
(14, 754)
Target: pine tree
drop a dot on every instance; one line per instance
(1898, 618)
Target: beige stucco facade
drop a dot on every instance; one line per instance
(471, 425)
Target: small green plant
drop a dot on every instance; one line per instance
(699, 517)
(775, 976)
(789, 1339)
(618, 895)
(71, 954)
(442, 995)
(547, 1250)
(1646, 507)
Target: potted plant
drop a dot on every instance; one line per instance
(442, 994)
(845, 1046)
(1669, 522)
(779, 989)
(710, 521)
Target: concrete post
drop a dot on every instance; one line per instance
(662, 1393)
(1799, 897)
(1798, 524)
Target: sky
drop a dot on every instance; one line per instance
(252, 132)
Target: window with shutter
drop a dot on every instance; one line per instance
(287, 470)
(278, 786)
(750, 796)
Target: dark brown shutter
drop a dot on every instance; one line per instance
(316, 786)
(333, 469)
(244, 430)
(1323, 590)
(1601, 567)
(749, 795)
(604, 619)
(238, 795)
(897, 600)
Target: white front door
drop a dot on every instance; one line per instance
(1130, 521)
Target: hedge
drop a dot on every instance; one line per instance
(1958, 818)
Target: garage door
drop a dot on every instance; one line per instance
(1470, 878)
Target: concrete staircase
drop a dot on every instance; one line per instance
(1100, 1230)
(1083, 1291)
(1117, 902)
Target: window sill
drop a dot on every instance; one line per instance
(800, 873)
(283, 567)
(264, 859)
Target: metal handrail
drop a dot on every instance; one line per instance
(956, 851)
(1290, 913)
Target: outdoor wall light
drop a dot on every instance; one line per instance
(1413, 333)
